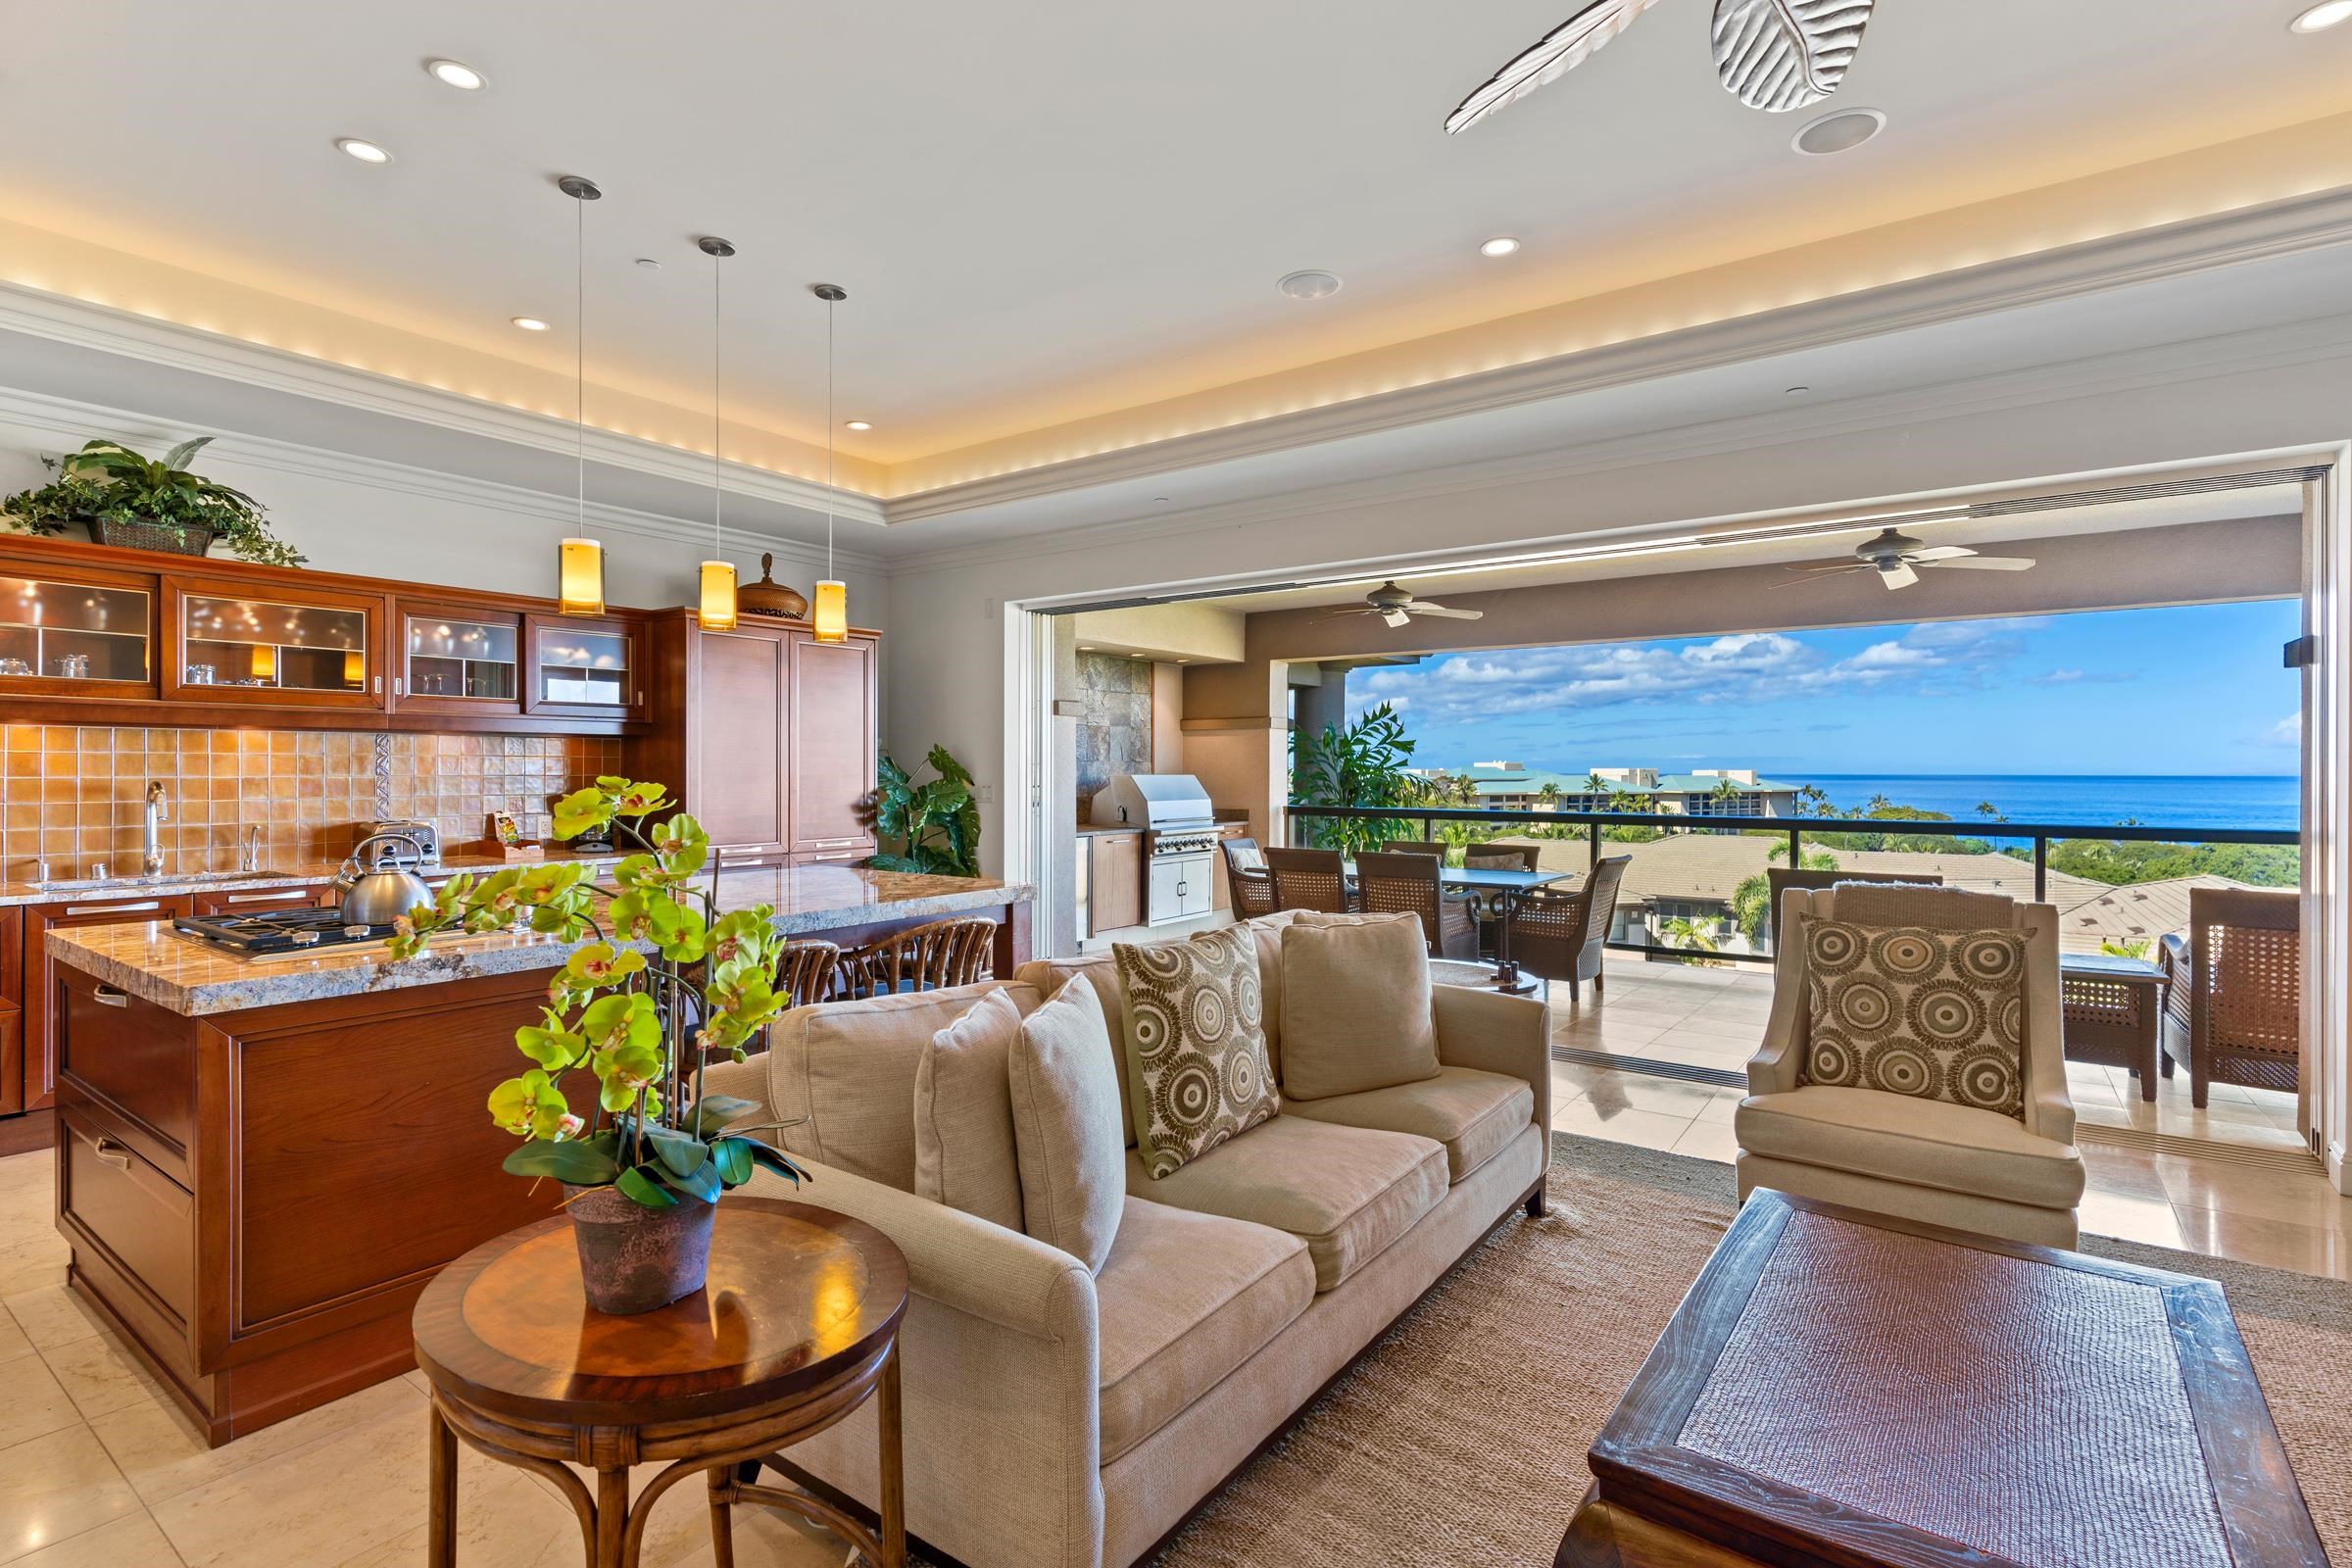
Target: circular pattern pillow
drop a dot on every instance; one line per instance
(1910, 1010)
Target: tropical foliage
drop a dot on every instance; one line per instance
(108, 482)
(665, 981)
(1361, 765)
(935, 827)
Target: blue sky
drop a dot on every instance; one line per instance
(2190, 690)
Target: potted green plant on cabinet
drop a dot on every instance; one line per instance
(121, 498)
(666, 980)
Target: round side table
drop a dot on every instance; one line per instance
(797, 1327)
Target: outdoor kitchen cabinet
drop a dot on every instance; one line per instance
(1115, 879)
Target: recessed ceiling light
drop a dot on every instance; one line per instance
(649, 263)
(1500, 245)
(530, 324)
(1798, 391)
(454, 73)
(1309, 285)
(2322, 16)
(1839, 133)
(857, 425)
(367, 151)
(1159, 500)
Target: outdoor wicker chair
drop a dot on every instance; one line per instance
(1310, 879)
(1248, 885)
(1409, 884)
(1561, 936)
(2233, 993)
(1414, 847)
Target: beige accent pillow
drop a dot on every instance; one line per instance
(1050, 975)
(963, 1143)
(1911, 1010)
(1355, 1006)
(847, 1068)
(1066, 1128)
(1195, 1044)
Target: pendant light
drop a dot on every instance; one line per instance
(832, 594)
(580, 560)
(716, 610)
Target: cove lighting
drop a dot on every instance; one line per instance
(367, 151)
(456, 74)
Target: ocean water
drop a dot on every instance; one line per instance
(2248, 801)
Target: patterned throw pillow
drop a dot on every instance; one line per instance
(1937, 1014)
(1197, 1067)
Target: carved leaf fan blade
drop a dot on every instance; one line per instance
(1562, 50)
(1778, 55)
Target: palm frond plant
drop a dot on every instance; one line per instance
(120, 496)
(1358, 765)
(667, 981)
(935, 827)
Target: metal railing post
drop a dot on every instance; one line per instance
(1593, 855)
(2041, 869)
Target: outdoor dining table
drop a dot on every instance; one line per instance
(1499, 891)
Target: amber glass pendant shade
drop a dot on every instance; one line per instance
(716, 610)
(832, 612)
(580, 579)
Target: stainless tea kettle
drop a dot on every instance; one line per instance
(383, 893)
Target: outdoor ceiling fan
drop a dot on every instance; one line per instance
(1894, 555)
(1397, 607)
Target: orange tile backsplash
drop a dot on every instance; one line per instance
(74, 796)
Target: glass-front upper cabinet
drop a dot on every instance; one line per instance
(89, 634)
(585, 665)
(307, 650)
(457, 659)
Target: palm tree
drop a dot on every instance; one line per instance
(1689, 935)
(1549, 795)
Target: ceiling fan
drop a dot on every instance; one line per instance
(1397, 607)
(1894, 556)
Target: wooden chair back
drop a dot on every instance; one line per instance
(2244, 990)
(1779, 879)
(1308, 879)
(1414, 847)
(805, 970)
(1249, 886)
(923, 957)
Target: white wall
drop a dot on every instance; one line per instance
(948, 683)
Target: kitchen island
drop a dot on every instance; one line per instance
(262, 1162)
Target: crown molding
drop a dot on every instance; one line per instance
(107, 329)
(2184, 249)
(2188, 359)
(69, 423)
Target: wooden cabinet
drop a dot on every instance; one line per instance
(1115, 879)
(585, 667)
(261, 901)
(281, 645)
(12, 1011)
(450, 656)
(833, 744)
(739, 771)
(74, 631)
(40, 1023)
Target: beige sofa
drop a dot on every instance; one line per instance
(1921, 1160)
(1058, 1419)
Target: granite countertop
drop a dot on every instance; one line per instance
(152, 961)
(283, 873)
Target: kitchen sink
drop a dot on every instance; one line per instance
(169, 879)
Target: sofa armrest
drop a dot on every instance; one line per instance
(2050, 1107)
(1000, 1352)
(1491, 1032)
(1774, 1068)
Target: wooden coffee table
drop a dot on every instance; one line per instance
(1846, 1389)
(797, 1327)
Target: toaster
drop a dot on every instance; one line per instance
(386, 853)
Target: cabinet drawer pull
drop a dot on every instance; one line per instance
(114, 1154)
(109, 997)
(265, 897)
(834, 844)
(114, 908)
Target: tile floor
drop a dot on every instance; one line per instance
(1714, 1017)
(100, 1468)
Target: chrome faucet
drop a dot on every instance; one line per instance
(249, 856)
(159, 812)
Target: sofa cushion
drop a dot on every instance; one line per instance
(964, 1155)
(1193, 1043)
(1345, 1192)
(1185, 1299)
(1050, 975)
(1913, 1010)
(849, 1068)
(1355, 1006)
(1901, 1138)
(1066, 1128)
(1472, 1114)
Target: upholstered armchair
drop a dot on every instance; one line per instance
(1561, 936)
(2233, 993)
(1895, 1153)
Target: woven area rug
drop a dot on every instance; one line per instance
(1460, 1438)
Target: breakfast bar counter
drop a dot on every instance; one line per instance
(262, 1162)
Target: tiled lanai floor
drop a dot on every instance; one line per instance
(97, 1468)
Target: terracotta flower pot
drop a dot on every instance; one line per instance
(634, 1258)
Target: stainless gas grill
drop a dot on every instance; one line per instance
(1180, 839)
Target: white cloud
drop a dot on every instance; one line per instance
(2288, 731)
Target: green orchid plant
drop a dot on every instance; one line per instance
(667, 981)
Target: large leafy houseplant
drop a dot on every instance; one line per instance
(118, 495)
(666, 980)
(935, 825)
(1361, 765)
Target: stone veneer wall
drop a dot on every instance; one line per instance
(72, 796)
(1114, 726)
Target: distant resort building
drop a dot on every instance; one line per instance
(1707, 792)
